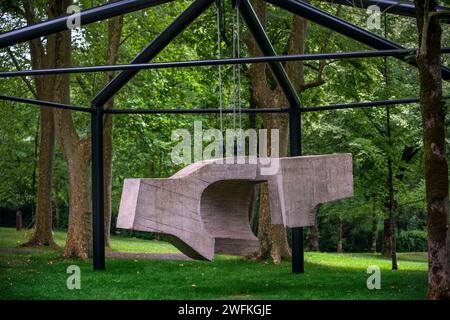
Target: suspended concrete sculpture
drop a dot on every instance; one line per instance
(204, 208)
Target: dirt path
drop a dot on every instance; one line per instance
(110, 254)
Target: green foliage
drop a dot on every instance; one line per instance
(18, 134)
(412, 240)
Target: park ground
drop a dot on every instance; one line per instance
(27, 273)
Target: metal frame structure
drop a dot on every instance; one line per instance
(142, 61)
(215, 62)
(390, 6)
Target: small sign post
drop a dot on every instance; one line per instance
(18, 221)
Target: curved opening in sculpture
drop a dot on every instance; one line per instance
(225, 211)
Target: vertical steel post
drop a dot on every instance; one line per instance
(98, 227)
(295, 141)
(157, 45)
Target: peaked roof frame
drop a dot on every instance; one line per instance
(142, 61)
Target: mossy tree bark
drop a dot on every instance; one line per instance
(435, 160)
(76, 150)
(43, 56)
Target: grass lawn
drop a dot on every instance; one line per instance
(42, 275)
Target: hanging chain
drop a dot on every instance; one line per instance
(219, 67)
(234, 67)
(238, 47)
(239, 67)
(236, 53)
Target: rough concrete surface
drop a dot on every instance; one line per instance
(204, 208)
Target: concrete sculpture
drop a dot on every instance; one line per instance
(204, 208)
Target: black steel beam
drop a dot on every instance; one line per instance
(295, 143)
(262, 40)
(296, 146)
(399, 7)
(41, 103)
(343, 27)
(297, 248)
(355, 105)
(157, 45)
(193, 111)
(87, 16)
(215, 62)
(97, 188)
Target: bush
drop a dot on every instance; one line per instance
(412, 241)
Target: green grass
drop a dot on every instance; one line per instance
(42, 275)
(10, 238)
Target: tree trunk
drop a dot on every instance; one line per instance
(57, 205)
(273, 238)
(387, 242)
(391, 204)
(435, 161)
(76, 151)
(340, 235)
(42, 235)
(78, 242)
(114, 33)
(43, 58)
(313, 243)
(389, 228)
(390, 181)
(254, 209)
(373, 246)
